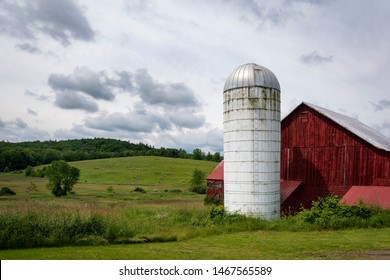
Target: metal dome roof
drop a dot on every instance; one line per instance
(251, 75)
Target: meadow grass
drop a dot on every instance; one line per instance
(142, 170)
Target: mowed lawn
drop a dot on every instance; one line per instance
(366, 244)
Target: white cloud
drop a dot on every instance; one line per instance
(153, 71)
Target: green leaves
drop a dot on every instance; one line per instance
(328, 213)
(198, 182)
(62, 177)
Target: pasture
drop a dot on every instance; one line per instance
(141, 208)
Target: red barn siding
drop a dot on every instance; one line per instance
(328, 158)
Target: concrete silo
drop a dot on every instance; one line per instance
(251, 131)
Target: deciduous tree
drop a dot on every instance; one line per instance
(62, 177)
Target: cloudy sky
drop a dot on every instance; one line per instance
(153, 71)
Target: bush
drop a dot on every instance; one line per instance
(212, 200)
(217, 212)
(198, 182)
(6, 191)
(29, 171)
(327, 213)
(138, 189)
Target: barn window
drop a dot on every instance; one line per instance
(305, 116)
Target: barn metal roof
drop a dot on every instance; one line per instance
(371, 195)
(217, 173)
(250, 75)
(361, 130)
(287, 188)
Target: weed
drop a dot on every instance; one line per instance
(139, 189)
(6, 191)
(31, 188)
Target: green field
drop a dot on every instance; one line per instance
(107, 219)
(142, 170)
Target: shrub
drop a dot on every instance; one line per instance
(139, 189)
(6, 191)
(212, 200)
(198, 182)
(217, 212)
(327, 213)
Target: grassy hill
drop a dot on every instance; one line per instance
(142, 170)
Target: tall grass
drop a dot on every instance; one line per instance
(32, 223)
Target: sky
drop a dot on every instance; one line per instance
(154, 71)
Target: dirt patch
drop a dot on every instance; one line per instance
(359, 255)
(376, 254)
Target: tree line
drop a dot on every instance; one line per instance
(18, 156)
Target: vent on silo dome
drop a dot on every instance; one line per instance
(250, 75)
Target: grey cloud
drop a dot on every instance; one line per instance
(184, 118)
(30, 93)
(28, 48)
(169, 94)
(133, 121)
(17, 130)
(210, 139)
(385, 125)
(123, 81)
(31, 112)
(313, 2)
(262, 14)
(19, 123)
(84, 80)
(36, 96)
(73, 100)
(381, 105)
(383, 128)
(100, 85)
(315, 58)
(139, 8)
(62, 20)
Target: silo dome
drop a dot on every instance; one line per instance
(250, 75)
(251, 132)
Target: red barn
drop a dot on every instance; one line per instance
(215, 183)
(324, 152)
(330, 153)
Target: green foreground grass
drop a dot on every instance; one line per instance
(107, 219)
(337, 245)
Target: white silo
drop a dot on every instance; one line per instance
(251, 131)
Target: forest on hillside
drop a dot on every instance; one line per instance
(17, 156)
